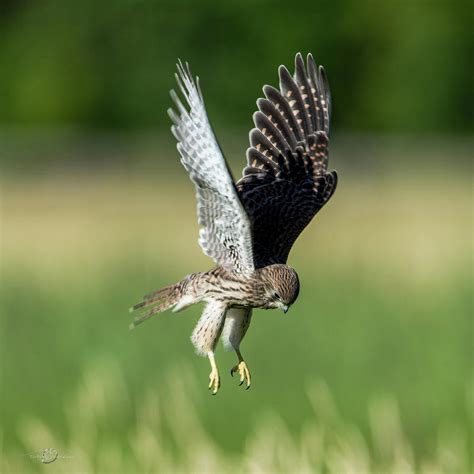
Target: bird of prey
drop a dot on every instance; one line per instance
(248, 227)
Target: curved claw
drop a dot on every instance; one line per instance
(244, 373)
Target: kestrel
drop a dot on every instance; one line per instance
(248, 227)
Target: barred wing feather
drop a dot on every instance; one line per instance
(225, 233)
(286, 182)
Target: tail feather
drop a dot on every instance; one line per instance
(157, 302)
(161, 291)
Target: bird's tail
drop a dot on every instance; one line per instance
(157, 302)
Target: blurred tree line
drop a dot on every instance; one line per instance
(395, 66)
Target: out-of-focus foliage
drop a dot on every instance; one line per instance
(327, 443)
(393, 66)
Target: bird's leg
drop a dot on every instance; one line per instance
(214, 379)
(243, 370)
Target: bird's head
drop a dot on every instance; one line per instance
(281, 286)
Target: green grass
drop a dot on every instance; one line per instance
(167, 434)
(383, 319)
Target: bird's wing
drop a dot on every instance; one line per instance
(225, 234)
(286, 182)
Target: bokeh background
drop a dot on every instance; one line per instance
(371, 370)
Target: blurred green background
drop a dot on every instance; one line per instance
(96, 211)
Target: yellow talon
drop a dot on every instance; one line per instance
(244, 373)
(214, 381)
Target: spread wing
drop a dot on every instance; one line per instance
(286, 182)
(225, 234)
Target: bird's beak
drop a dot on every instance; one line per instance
(284, 308)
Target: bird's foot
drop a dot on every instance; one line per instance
(214, 381)
(244, 373)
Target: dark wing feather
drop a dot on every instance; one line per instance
(286, 181)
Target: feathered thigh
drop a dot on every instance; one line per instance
(237, 321)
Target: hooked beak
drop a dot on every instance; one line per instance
(284, 308)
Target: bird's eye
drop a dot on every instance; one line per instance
(276, 296)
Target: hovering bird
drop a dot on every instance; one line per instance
(248, 227)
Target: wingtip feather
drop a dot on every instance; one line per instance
(283, 73)
(299, 62)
